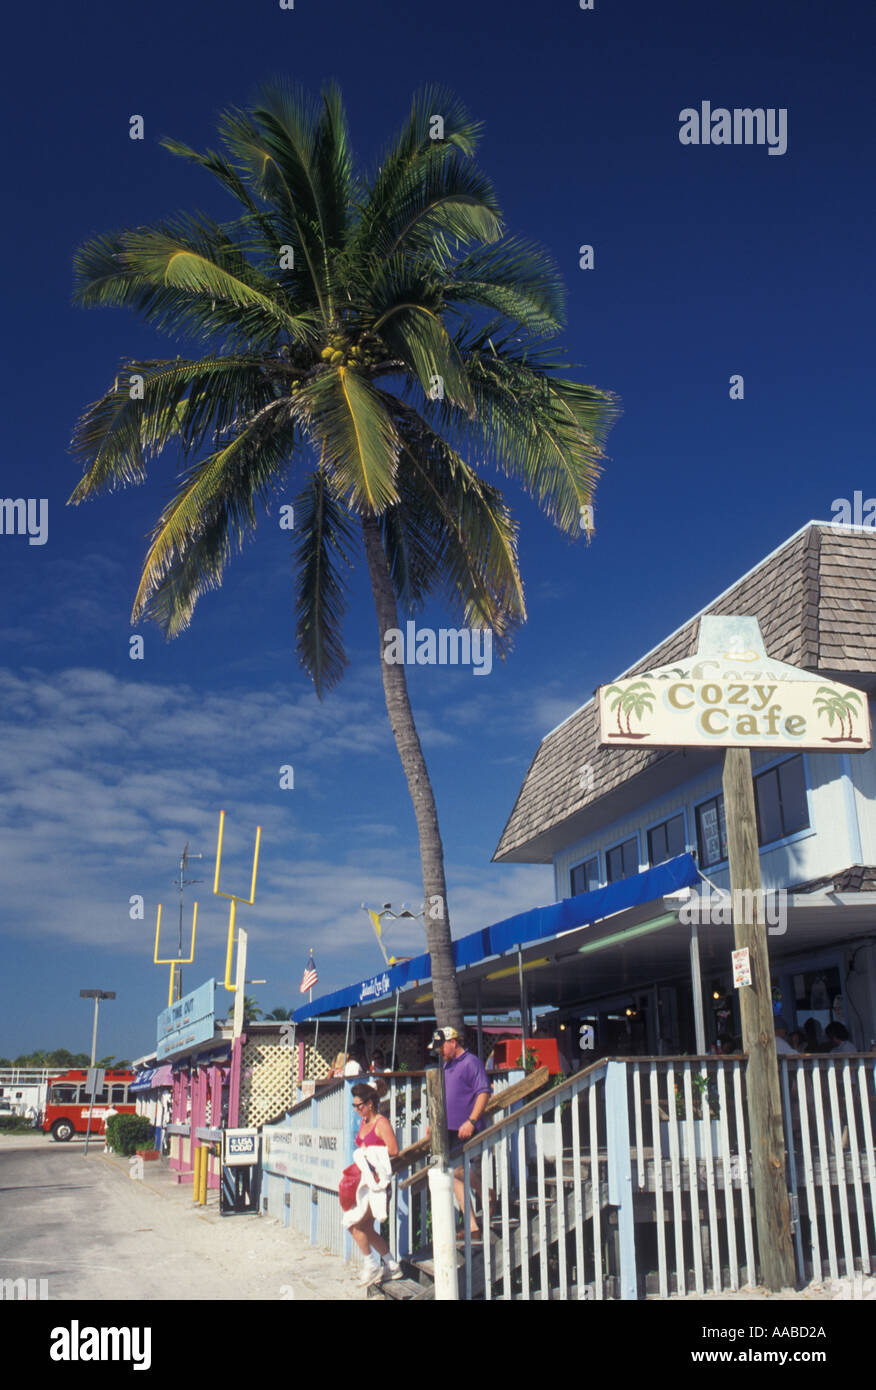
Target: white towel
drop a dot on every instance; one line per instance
(375, 1165)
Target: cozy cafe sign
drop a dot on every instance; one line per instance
(731, 694)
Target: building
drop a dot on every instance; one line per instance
(631, 966)
(23, 1090)
(616, 965)
(601, 815)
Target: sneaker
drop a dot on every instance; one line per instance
(392, 1267)
(371, 1272)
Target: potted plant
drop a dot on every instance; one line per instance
(704, 1098)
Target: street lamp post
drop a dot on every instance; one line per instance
(96, 995)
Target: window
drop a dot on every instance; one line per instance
(780, 796)
(64, 1095)
(666, 841)
(585, 876)
(711, 832)
(120, 1095)
(622, 861)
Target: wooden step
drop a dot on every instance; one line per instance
(401, 1290)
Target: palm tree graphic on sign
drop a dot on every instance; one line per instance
(838, 706)
(637, 699)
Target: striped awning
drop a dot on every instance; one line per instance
(152, 1078)
(538, 924)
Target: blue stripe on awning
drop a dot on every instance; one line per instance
(525, 927)
(143, 1080)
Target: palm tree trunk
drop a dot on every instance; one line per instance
(448, 1008)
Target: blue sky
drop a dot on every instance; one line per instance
(709, 261)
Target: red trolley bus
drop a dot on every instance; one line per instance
(67, 1104)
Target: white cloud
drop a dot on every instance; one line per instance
(104, 780)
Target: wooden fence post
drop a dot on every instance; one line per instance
(441, 1191)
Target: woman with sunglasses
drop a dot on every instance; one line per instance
(375, 1131)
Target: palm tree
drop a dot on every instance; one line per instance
(634, 699)
(638, 700)
(837, 705)
(383, 330)
(251, 1010)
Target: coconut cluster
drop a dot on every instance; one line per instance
(340, 351)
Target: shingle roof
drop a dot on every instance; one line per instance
(815, 600)
(860, 878)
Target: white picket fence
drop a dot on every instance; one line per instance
(632, 1179)
(829, 1126)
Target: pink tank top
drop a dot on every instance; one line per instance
(371, 1139)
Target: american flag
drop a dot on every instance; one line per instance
(310, 976)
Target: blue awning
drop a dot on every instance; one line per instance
(151, 1078)
(143, 1080)
(525, 927)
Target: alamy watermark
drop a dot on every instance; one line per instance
(748, 905)
(743, 125)
(23, 1290)
(78, 1343)
(20, 516)
(854, 511)
(446, 646)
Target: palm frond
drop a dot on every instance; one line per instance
(352, 426)
(185, 278)
(231, 180)
(210, 517)
(409, 146)
(405, 300)
(323, 549)
(439, 198)
(333, 169)
(515, 277)
(181, 400)
(274, 146)
(543, 430)
(460, 537)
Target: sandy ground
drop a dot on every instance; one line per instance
(844, 1290)
(83, 1223)
(146, 1240)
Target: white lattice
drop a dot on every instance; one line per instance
(266, 1081)
(270, 1069)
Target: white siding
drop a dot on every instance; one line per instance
(824, 848)
(863, 766)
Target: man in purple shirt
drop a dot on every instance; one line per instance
(467, 1091)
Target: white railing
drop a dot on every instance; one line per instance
(633, 1179)
(690, 1170)
(539, 1196)
(829, 1106)
(27, 1076)
(629, 1178)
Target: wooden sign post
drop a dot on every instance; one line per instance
(766, 1132)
